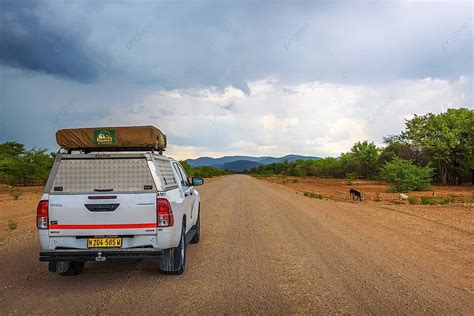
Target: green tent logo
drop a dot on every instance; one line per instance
(104, 137)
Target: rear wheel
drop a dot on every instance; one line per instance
(174, 259)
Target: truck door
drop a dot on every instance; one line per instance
(188, 192)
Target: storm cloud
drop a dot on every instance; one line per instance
(31, 42)
(174, 63)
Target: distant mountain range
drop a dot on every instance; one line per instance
(241, 163)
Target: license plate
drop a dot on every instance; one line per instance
(104, 242)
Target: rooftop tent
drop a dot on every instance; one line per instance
(112, 138)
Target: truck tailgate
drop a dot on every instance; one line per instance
(102, 214)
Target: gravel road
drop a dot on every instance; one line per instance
(266, 249)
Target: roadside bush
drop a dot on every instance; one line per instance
(12, 225)
(451, 198)
(442, 201)
(403, 176)
(350, 178)
(428, 200)
(469, 199)
(15, 193)
(412, 199)
(314, 195)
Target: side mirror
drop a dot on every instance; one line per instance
(198, 181)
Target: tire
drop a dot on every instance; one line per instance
(68, 268)
(197, 227)
(174, 259)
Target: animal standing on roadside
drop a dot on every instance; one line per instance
(355, 194)
(434, 194)
(403, 197)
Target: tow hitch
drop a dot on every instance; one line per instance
(99, 257)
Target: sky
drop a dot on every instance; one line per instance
(232, 77)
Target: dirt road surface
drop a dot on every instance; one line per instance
(266, 249)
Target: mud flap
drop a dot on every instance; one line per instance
(62, 266)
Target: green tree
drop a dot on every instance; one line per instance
(202, 172)
(36, 164)
(21, 166)
(403, 176)
(10, 161)
(447, 138)
(187, 167)
(397, 147)
(366, 158)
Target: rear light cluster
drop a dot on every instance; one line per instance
(42, 215)
(164, 213)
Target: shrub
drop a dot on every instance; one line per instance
(451, 198)
(412, 199)
(469, 199)
(391, 190)
(403, 176)
(442, 201)
(313, 195)
(350, 178)
(428, 200)
(15, 193)
(12, 225)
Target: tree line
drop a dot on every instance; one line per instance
(204, 171)
(19, 166)
(433, 147)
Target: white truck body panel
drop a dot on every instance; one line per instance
(134, 215)
(73, 218)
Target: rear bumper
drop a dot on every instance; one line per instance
(100, 254)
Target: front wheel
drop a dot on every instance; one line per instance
(174, 259)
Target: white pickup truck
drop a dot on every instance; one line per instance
(102, 206)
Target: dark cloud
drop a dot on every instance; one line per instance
(175, 45)
(129, 51)
(28, 43)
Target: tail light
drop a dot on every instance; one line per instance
(42, 215)
(164, 213)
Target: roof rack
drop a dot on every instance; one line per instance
(116, 149)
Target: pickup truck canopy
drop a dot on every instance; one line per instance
(112, 138)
